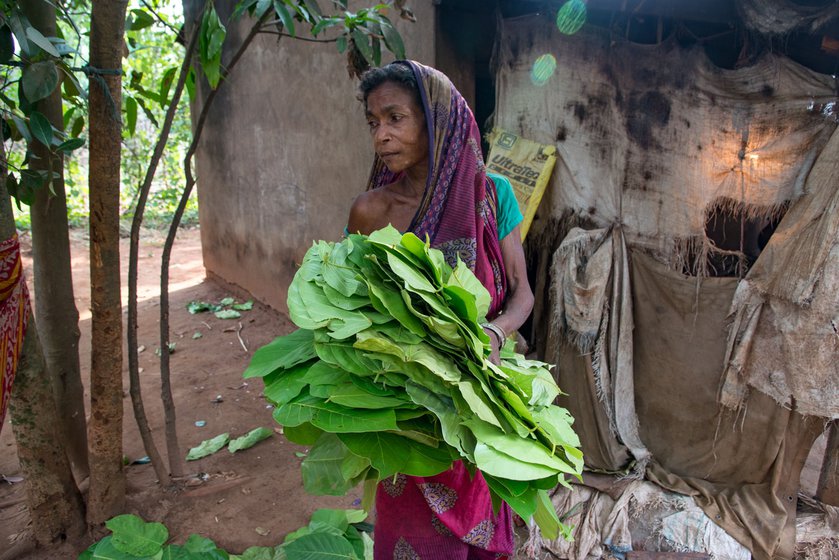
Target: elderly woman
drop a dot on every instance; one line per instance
(429, 177)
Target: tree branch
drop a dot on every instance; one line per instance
(307, 39)
(175, 459)
(159, 18)
(133, 259)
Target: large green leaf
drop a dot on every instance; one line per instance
(249, 440)
(462, 277)
(336, 272)
(413, 278)
(390, 454)
(285, 384)
(556, 422)
(330, 466)
(208, 447)
(477, 401)
(39, 80)
(353, 396)
(283, 352)
(340, 518)
(297, 411)
(390, 302)
(105, 550)
(323, 373)
(319, 546)
(134, 536)
(347, 326)
(496, 463)
(258, 553)
(202, 548)
(339, 419)
(302, 434)
(525, 450)
(41, 128)
(344, 356)
(285, 16)
(393, 40)
(131, 115)
(210, 43)
(43, 43)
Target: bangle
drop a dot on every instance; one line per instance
(497, 331)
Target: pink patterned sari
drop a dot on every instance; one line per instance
(14, 313)
(450, 515)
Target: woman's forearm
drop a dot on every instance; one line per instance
(519, 301)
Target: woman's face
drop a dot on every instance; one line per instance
(397, 126)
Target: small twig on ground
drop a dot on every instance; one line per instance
(206, 325)
(239, 336)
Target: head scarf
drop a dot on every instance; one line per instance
(457, 212)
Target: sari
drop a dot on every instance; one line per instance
(14, 313)
(450, 515)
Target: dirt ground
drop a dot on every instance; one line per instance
(253, 497)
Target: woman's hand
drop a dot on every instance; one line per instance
(495, 344)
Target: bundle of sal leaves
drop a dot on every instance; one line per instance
(389, 373)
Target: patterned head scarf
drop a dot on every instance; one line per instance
(458, 208)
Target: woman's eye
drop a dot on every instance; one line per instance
(372, 124)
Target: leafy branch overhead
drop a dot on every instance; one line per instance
(39, 65)
(36, 65)
(360, 34)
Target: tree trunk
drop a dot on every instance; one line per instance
(53, 498)
(55, 503)
(58, 318)
(107, 480)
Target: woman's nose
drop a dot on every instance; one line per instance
(382, 134)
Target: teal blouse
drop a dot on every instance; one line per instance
(508, 215)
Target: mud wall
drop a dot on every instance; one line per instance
(284, 152)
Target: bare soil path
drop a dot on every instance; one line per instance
(253, 497)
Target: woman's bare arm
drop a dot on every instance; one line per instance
(519, 301)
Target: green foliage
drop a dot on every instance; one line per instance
(331, 534)
(389, 373)
(42, 64)
(227, 308)
(132, 535)
(360, 34)
(208, 447)
(217, 443)
(249, 440)
(210, 43)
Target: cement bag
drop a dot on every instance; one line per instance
(527, 164)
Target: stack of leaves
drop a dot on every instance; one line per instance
(331, 533)
(389, 373)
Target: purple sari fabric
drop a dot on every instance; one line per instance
(450, 515)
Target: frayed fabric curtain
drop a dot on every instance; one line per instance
(785, 335)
